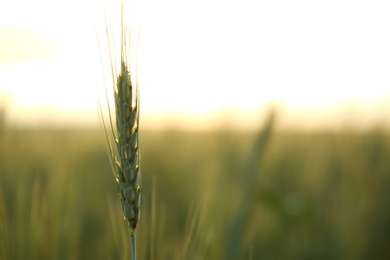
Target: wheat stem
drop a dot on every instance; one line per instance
(133, 243)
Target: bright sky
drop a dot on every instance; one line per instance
(203, 56)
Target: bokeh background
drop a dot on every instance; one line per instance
(264, 131)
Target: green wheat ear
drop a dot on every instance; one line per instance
(127, 160)
(122, 140)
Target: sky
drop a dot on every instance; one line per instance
(203, 62)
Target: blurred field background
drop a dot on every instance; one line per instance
(206, 195)
(221, 177)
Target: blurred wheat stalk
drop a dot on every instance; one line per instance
(122, 140)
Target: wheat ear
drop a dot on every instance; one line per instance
(127, 162)
(124, 149)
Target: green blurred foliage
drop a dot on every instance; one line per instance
(311, 196)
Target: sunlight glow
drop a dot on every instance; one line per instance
(204, 56)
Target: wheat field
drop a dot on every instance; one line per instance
(311, 196)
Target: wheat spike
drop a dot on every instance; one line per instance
(122, 140)
(127, 161)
